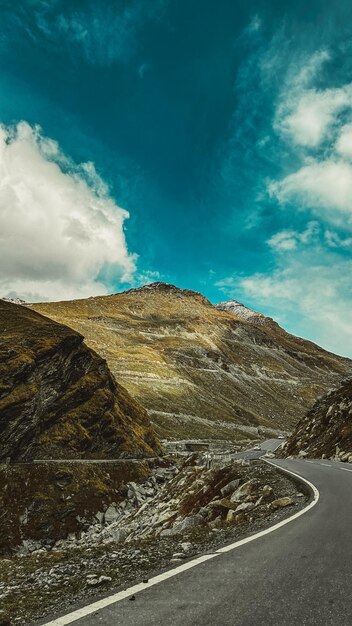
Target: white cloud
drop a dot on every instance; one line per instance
(287, 240)
(344, 142)
(61, 235)
(307, 286)
(324, 187)
(308, 119)
(305, 115)
(333, 240)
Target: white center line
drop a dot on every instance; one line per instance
(325, 464)
(344, 469)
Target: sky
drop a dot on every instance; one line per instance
(206, 144)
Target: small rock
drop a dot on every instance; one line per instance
(186, 546)
(102, 580)
(281, 502)
(178, 555)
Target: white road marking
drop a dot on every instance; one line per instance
(122, 595)
(126, 593)
(325, 464)
(344, 469)
(310, 462)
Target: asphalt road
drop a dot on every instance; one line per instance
(300, 574)
(265, 446)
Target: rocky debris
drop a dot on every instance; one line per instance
(58, 398)
(134, 547)
(5, 619)
(326, 430)
(201, 371)
(44, 503)
(176, 501)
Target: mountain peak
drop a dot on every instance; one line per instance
(244, 313)
(167, 289)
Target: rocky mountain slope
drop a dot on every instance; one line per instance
(58, 398)
(327, 427)
(199, 370)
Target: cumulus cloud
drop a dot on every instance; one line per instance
(309, 117)
(324, 187)
(61, 233)
(306, 115)
(286, 240)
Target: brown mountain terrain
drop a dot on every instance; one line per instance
(58, 398)
(199, 370)
(327, 427)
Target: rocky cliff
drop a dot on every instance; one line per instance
(199, 370)
(327, 427)
(58, 398)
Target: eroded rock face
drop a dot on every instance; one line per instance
(326, 430)
(58, 398)
(200, 371)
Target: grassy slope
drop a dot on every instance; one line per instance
(198, 370)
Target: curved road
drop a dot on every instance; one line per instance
(300, 574)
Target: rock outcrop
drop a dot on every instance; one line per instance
(58, 398)
(200, 371)
(327, 427)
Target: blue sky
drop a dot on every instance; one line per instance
(204, 144)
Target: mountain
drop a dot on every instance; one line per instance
(202, 371)
(327, 427)
(58, 398)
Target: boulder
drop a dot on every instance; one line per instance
(111, 514)
(281, 502)
(247, 489)
(230, 487)
(245, 506)
(189, 522)
(170, 532)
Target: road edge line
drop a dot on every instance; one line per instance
(74, 616)
(271, 529)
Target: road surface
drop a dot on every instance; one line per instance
(298, 575)
(265, 446)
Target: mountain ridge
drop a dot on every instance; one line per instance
(200, 371)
